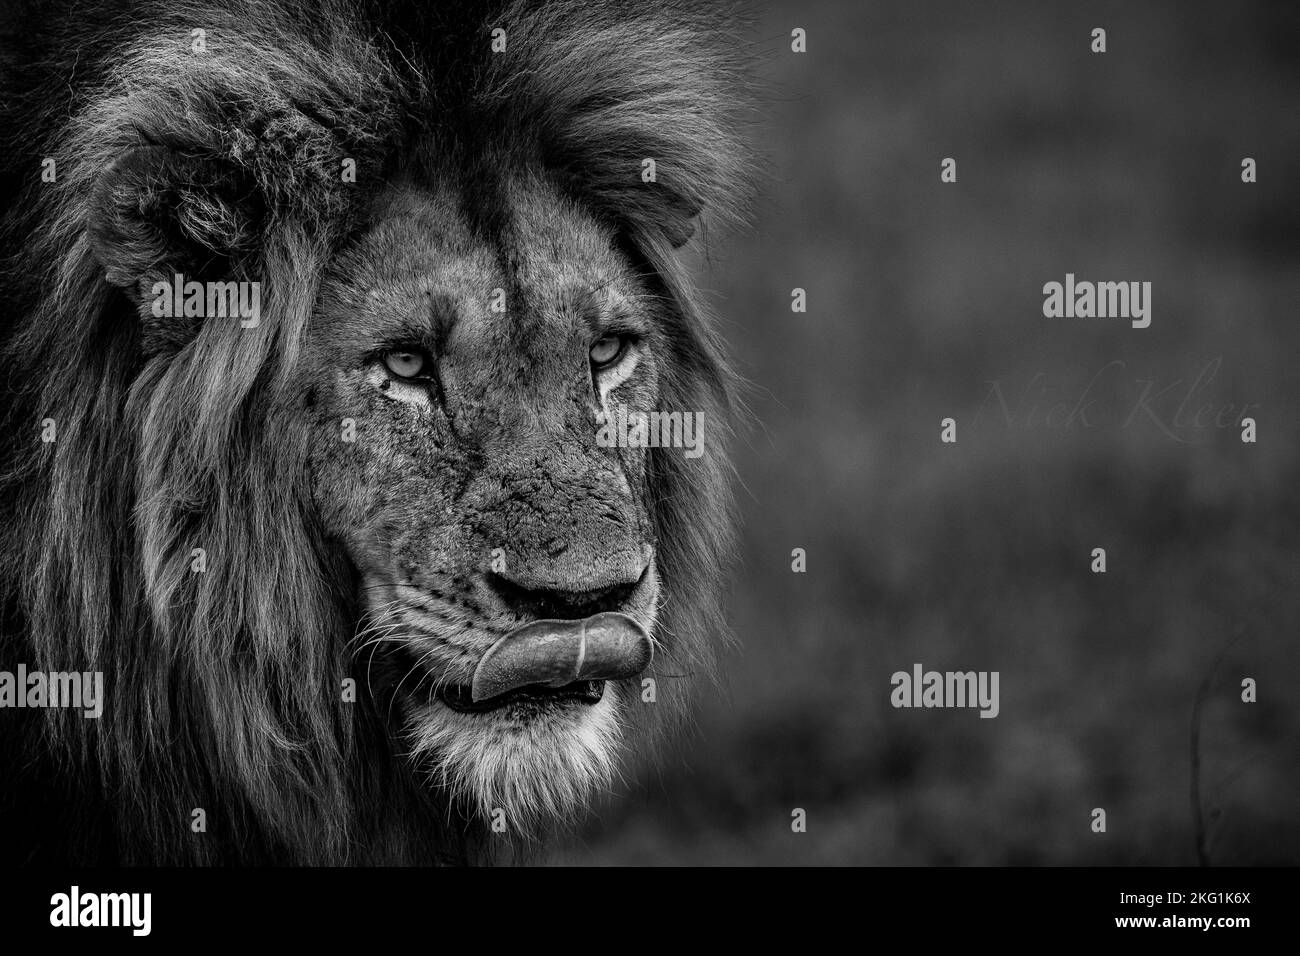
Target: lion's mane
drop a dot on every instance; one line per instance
(222, 687)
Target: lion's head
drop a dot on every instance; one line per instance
(362, 565)
(472, 495)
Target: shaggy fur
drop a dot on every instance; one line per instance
(223, 687)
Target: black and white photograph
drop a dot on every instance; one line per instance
(845, 435)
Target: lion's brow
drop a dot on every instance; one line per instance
(428, 323)
(442, 318)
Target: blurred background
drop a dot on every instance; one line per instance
(925, 302)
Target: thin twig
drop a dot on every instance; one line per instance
(1198, 815)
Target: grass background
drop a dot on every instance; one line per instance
(1122, 166)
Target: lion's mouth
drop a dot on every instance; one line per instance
(461, 698)
(556, 654)
(551, 663)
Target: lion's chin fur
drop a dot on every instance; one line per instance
(522, 775)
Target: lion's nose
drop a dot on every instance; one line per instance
(562, 603)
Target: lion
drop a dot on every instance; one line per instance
(314, 311)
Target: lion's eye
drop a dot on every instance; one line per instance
(608, 350)
(405, 364)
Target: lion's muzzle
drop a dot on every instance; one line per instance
(553, 653)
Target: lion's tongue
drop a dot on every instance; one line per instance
(605, 646)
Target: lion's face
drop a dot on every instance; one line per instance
(455, 367)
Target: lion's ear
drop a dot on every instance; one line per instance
(654, 205)
(637, 107)
(155, 211)
(678, 224)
